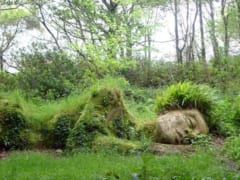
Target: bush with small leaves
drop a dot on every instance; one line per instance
(12, 126)
(55, 131)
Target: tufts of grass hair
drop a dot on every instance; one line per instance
(186, 95)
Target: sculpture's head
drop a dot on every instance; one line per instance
(178, 127)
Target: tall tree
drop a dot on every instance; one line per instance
(203, 49)
(184, 28)
(12, 22)
(212, 31)
(238, 13)
(176, 23)
(190, 55)
(225, 18)
(98, 30)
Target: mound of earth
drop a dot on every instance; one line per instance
(178, 127)
(103, 114)
(163, 149)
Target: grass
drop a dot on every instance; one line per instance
(110, 165)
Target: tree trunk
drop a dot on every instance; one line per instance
(149, 58)
(129, 43)
(178, 51)
(238, 14)
(225, 24)
(145, 46)
(149, 47)
(213, 34)
(1, 62)
(203, 50)
(192, 39)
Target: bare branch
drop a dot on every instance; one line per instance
(43, 21)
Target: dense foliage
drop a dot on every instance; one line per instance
(12, 126)
(50, 75)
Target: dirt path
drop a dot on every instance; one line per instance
(3, 154)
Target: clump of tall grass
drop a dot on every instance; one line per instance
(186, 95)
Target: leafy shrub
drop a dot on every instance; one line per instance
(7, 81)
(55, 131)
(232, 148)
(236, 119)
(62, 128)
(223, 116)
(226, 77)
(201, 140)
(84, 133)
(159, 73)
(226, 116)
(12, 125)
(50, 75)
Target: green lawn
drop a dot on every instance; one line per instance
(110, 165)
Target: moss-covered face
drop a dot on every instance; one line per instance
(179, 126)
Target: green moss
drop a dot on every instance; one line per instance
(147, 128)
(12, 124)
(121, 145)
(106, 114)
(54, 133)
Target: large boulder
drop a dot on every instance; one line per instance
(178, 127)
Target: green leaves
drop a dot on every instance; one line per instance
(50, 75)
(186, 96)
(12, 124)
(14, 15)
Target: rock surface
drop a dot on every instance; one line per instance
(177, 127)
